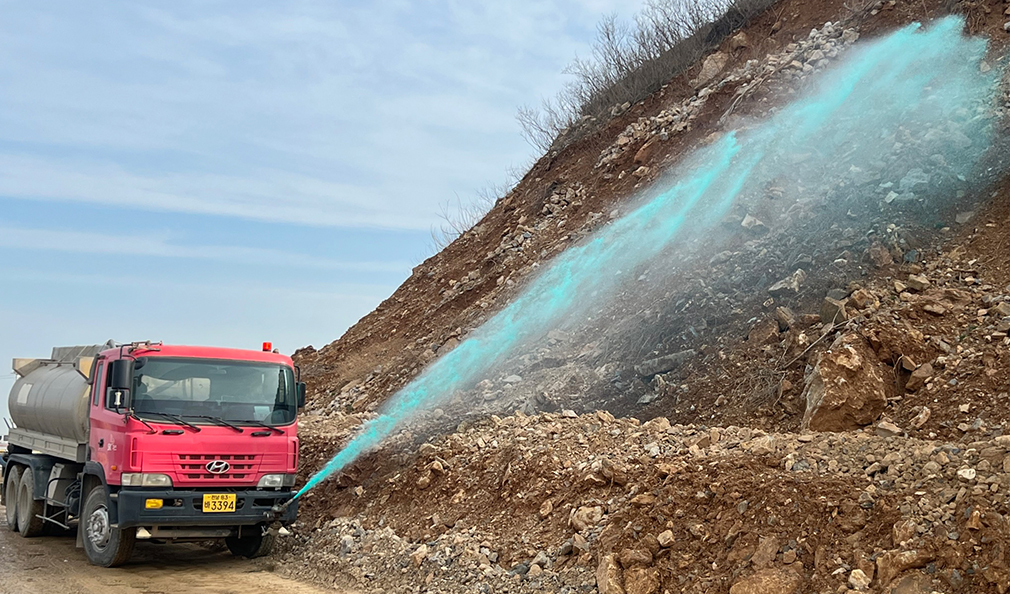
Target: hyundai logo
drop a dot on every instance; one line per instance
(218, 467)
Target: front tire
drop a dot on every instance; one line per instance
(29, 511)
(11, 497)
(104, 545)
(251, 546)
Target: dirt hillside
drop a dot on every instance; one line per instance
(816, 407)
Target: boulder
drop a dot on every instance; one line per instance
(886, 428)
(647, 151)
(663, 364)
(789, 286)
(880, 255)
(666, 539)
(767, 549)
(915, 180)
(712, 66)
(833, 311)
(860, 299)
(902, 531)
(914, 583)
(586, 517)
(858, 580)
(785, 317)
(615, 473)
(419, 555)
(641, 580)
(753, 224)
(893, 563)
(629, 558)
(846, 389)
(917, 282)
(764, 332)
(608, 576)
(921, 418)
(739, 41)
(768, 581)
(1002, 309)
(919, 378)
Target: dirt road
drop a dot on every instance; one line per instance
(53, 565)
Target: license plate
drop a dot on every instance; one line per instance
(218, 502)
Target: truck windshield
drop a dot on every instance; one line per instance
(232, 391)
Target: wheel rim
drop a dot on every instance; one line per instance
(98, 529)
(12, 499)
(24, 509)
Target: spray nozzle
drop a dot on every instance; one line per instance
(280, 508)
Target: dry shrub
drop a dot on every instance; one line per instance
(629, 63)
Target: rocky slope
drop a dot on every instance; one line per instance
(836, 376)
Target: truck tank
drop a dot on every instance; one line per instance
(50, 396)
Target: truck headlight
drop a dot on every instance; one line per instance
(276, 481)
(143, 479)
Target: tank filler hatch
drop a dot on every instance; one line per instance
(81, 357)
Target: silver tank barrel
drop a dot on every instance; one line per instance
(52, 399)
(51, 395)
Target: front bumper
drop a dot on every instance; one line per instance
(185, 508)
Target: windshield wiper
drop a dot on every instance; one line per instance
(133, 415)
(217, 420)
(177, 419)
(262, 424)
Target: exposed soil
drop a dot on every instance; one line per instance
(527, 484)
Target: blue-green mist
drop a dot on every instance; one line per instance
(911, 80)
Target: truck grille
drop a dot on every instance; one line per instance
(194, 466)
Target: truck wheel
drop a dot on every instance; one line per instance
(29, 510)
(11, 497)
(251, 546)
(104, 545)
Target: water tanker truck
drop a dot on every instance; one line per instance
(151, 441)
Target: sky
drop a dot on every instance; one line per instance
(228, 173)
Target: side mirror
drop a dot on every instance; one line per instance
(121, 374)
(117, 398)
(300, 392)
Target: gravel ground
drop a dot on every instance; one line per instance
(52, 564)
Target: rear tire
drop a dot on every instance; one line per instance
(11, 497)
(104, 545)
(30, 523)
(251, 546)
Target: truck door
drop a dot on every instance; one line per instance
(107, 428)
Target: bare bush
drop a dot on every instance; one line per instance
(627, 64)
(460, 216)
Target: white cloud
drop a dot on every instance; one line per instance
(264, 195)
(367, 115)
(161, 246)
